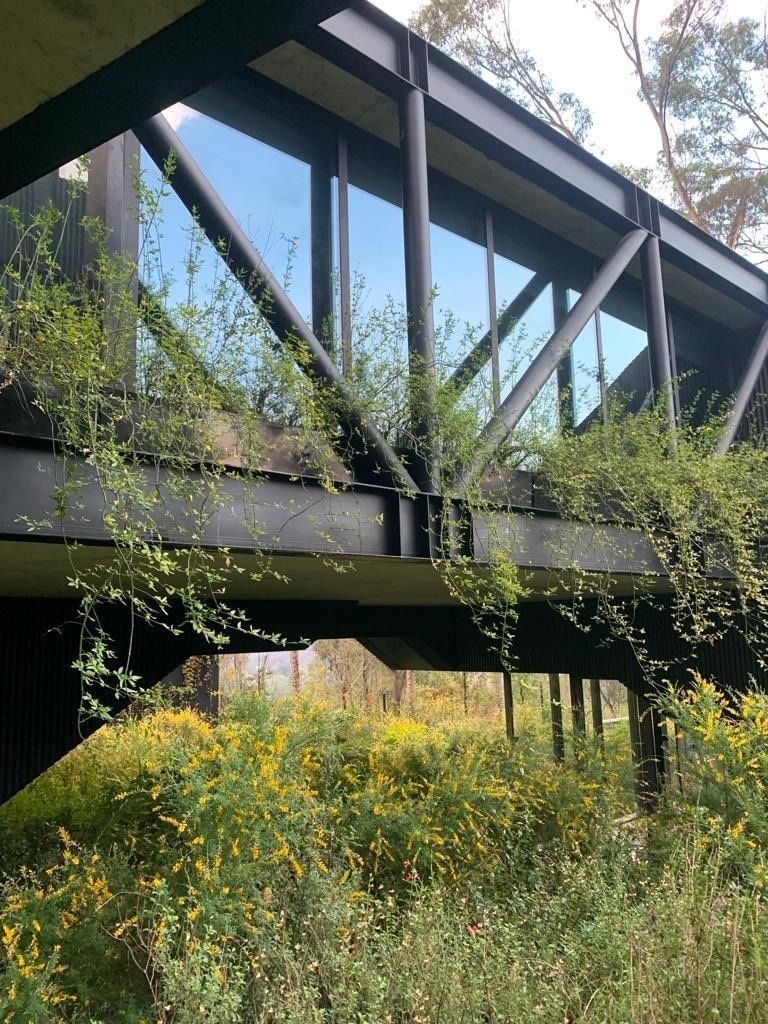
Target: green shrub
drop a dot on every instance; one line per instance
(296, 864)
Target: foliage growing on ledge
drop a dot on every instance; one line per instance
(704, 516)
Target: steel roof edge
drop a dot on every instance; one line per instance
(391, 56)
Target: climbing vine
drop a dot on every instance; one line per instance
(697, 519)
(154, 407)
(157, 395)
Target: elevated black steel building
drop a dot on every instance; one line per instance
(465, 191)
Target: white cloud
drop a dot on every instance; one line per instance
(179, 114)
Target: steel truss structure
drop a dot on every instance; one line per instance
(373, 114)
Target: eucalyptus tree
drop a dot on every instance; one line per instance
(702, 78)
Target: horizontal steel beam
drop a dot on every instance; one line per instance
(744, 392)
(236, 250)
(282, 514)
(512, 409)
(373, 46)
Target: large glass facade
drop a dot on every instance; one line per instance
(501, 281)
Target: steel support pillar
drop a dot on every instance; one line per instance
(345, 266)
(418, 285)
(556, 713)
(322, 254)
(509, 706)
(744, 392)
(493, 311)
(647, 749)
(596, 701)
(656, 325)
(565, 397)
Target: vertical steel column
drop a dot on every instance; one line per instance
(596, 700)
(556, 712)
(565, 398)
(493, 312)
(111, 197)
(509, 707)
(656, 324)
(321, 233)
(418, 284)
(345, 272)
(577, 708)
(647, 749)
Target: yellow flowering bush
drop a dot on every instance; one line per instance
(726, 771)
(270, 866)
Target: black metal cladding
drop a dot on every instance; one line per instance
(69, 240)
(41, 692)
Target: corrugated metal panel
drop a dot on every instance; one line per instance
(40, 691)
(69, 238)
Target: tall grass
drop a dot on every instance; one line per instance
(299, 864)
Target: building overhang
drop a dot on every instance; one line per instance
(73, 75)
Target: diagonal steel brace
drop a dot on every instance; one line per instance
(514, 406)
(235, 248)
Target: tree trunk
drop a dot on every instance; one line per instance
(365, 683)
(409, 686)
(293, 658)
(399, 680)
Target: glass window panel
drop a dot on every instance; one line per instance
(531, 331)
(586, 376)
(522, 343)
(203, 300)
(625, 359)
(268, 192)
(379, 320)
(376, 251)
(460, 279)
(175, 259)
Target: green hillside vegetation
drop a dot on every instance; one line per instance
(296, 863)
